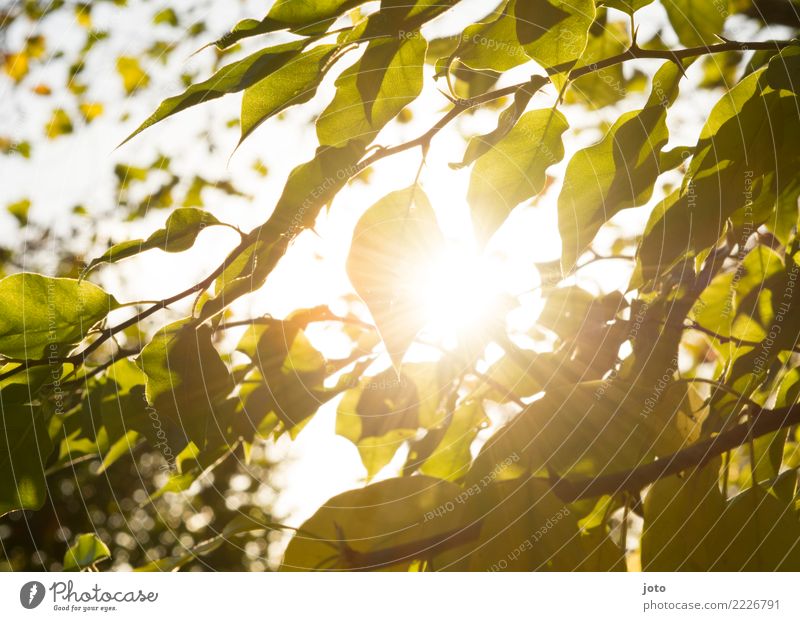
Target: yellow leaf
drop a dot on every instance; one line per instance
(133, 76)
(59, 124)
(16, 66)
(90, 110)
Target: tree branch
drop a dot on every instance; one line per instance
(728, 339)
(766, 421)
(632, 53)
(79, 357)
(413, 550)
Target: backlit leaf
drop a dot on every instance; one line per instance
(393, 514)
(40, 315)
(179, 234)
(88, 550)
(616, 173)
(393, 243)
(514, 170)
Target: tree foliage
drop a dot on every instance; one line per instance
(667, 405)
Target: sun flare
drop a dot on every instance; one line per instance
(458, 293)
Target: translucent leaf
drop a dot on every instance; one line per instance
(514, 170)
(604, 86)
(379, 415)
(756, 532)
(588, 427)
(88, 550)
(551, 32)
(508, 119)
(371, 92)
(310, 186)
(292, 84)
(179, 234)
(393, 515)
(679, 513)
(737, 172)
(185, 379)
(300, 17)
(616, 173)
(628, 6)
(59, 124)
(25, 447)
(231, 78)
(696, 23)
(393, 243)
(450, 460)
(524, 527)
(132, 74)
(41, 315)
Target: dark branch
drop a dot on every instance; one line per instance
(634, 52)
(766, 421)
(414, 550)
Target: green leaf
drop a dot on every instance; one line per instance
(186, 378)
(551, 32)
(231, 78)
(743, 162)
(696, 23)
(379, 415)
(450, 460)
(508, 119)
(588, 427)
(492, 44)
(554, 32)
(525, 527)
(294, 83)
(627, 6)
(25, 447)
(179, 234)
(59, 124)
(720, 304)
(299, 17)
(370, 93)
(288, 384)
(391, 514)
(514, 170)
(88, 550)
(393, 243)
(608, 85)
(756, 532)
(41, 316)
(20, 209)
(616, 173)
(679, 513)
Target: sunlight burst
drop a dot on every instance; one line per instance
(458, 294)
